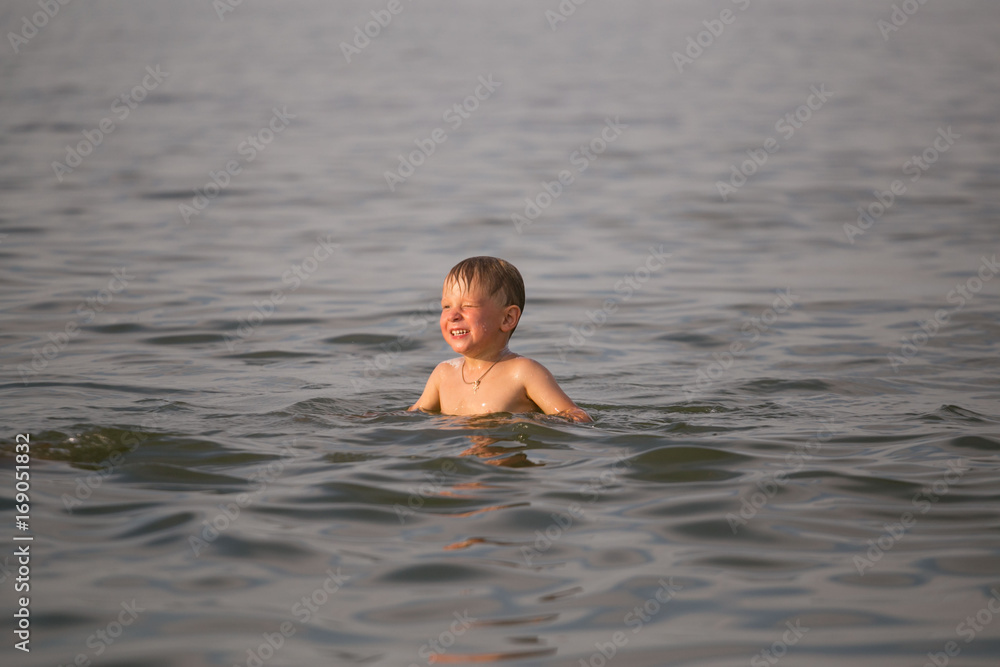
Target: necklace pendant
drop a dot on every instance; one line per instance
(475, 386)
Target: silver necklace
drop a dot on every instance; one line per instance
(475, 383)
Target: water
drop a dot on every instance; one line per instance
(787, 456)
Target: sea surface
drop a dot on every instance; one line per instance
(759, 239)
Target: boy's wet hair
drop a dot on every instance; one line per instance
(498, 277)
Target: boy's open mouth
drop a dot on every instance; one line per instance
(459, 332)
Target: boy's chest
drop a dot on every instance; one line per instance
(494, 394)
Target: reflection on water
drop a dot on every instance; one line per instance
(217, 401)
(491, 452)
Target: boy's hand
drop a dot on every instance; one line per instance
(575, 414)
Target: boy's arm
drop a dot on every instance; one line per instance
(546, 393)
(430, 400)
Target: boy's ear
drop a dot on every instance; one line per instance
(511, 316)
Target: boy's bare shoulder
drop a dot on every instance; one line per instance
(447, 366)
(527, 365)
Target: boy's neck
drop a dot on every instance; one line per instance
(486, 359)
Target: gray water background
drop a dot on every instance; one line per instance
(209, 373)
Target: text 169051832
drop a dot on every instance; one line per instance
(22, 553)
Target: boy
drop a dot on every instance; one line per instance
(481, 304)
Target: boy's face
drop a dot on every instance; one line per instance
(473, 322)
